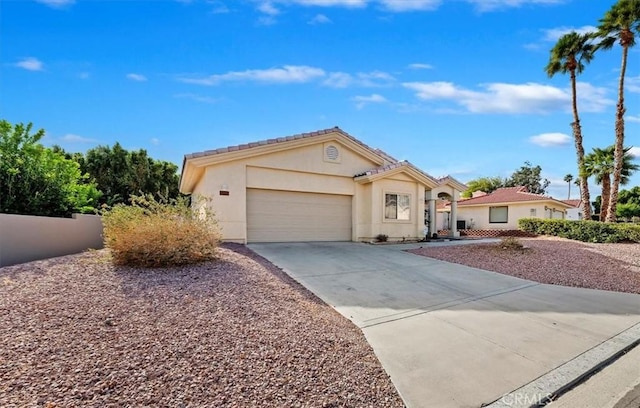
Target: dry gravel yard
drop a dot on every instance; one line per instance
(76, 331)
(556, 261)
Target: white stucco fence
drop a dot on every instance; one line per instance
(25, 238)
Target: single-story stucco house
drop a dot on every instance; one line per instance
(503, 208)
(575, 212)
(320, 186)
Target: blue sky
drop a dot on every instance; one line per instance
(455, 86)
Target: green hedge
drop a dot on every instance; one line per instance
(586, 231)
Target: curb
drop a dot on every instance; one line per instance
(548, 387)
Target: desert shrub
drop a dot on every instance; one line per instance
(150, 233)
(528, 225)
(586, 231)
(510, 243)
(630, 232)
(382, 238)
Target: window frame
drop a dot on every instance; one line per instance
(397, 195)
(506, 221)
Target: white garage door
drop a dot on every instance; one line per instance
(287, 216)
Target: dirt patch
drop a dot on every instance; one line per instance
(555, 261)
(77, 331)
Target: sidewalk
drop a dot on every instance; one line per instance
(616, 386)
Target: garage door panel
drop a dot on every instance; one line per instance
(284, 216)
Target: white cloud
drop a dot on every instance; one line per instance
(491, 5)
(155, 141)
(592, 98)
(288, 74)
(327, 3)
(136, 77)
(633, 84)
(339, 80)
(554, 34)
(362, 79)
(551, 139)
(362, 101)
(282, 75)
(630, 118)
(320, 19)
(512, 98)
(30, 64)
(84, 75)
(268, 8)
(71, 138)
(420, 66)
(197, 98)
(57, 3)
(396, 6)
(635, 152)
(410, 5)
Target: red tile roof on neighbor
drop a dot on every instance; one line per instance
(507, 195)
(287, 139)
(573, 203)
(395, 165)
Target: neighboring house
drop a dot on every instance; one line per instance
(504, 207)
(319, 186)
(575, 212)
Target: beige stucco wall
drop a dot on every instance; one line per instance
(396, 229)
(306, 169)
(450, 191)
(25, 238)
(302, 169)
(362, 212)
(480, 214)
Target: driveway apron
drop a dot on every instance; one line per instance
(455, 336)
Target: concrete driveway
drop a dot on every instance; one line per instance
(454, 336)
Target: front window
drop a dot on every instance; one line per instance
(498, 215)
(397, 207)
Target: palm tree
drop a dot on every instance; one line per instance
(569, 55)
(619, 24)
(600, 164)
(568, 179)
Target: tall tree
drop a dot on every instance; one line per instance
(528, 176)
(120, 173)
(629, 196)
(600, 164)
(484, 184)
(35, 180)
(621, 23)
(568, 179)
(569, 55)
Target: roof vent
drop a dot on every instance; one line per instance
(332, 153)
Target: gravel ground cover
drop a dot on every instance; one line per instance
(555, 261)
(77, 331)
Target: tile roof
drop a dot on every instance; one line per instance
(507, 195)
(393, 166)
(265, 142)
(386, 155)
(382, 169)
(573, 203)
